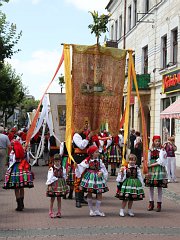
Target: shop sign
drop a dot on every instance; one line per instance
(171, 81)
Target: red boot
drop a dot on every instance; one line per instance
(158, 207)
(151, 206)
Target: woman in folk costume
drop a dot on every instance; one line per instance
(56, 185)
(131, 185)
(157, 175)
(94, 179)
(170, 149)
(114, 155)
(18, 175)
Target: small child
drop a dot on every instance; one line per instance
(57, 187)
(157, 175)
(131, 182)
(94, 179)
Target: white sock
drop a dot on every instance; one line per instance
(90, 203)
(159, 194)
(98, 204)
(151, 194)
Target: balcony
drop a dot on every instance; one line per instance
(143, 81)
(112, 43)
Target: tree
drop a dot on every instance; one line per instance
(61, 81)
(12, 91)
(1, 2)
(8, 38)
(100, 24)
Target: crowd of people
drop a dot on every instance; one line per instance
(87, 172)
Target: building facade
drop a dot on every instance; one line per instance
(151, 29)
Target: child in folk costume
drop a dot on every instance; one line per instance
(114, 155)
(131, 185)
(57, 187)
(18, 175)
(157, 175)
(94, 179)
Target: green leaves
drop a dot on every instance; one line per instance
(100, 24)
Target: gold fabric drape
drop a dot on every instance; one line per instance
(98, 75)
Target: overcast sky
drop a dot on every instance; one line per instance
(45, 24)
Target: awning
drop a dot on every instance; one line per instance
(173, 111)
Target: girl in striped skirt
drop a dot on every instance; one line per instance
(131, 185)
(18, 175)
(56, 185)
(157, 175)
(94, 179)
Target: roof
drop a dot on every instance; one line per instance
(109, 4)
(173, 111)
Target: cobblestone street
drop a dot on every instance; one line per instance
(34, 222)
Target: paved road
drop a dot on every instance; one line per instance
(34, 223)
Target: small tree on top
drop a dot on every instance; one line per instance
(100, 24)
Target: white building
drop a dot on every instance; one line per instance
(152, 30)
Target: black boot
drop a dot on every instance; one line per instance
(78, 201)
(64, 196)
(19, 205)
(70, 194)
(158, 207)
(82, 198)
(22, 202)
(112, 172)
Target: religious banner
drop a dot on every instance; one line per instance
(98, 75)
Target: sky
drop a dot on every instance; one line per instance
(45, 25)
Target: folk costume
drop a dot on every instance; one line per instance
(114, 155)
(94, 178)
(18, 175)
(131, 183)
(104, 143)
(157, 174)
(56, 181)
(56, 185)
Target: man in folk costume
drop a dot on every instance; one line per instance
(81, 142)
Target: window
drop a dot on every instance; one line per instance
(145, 60)
(112, 32)
(146, 6)
(116, 30)
(135, 12)
(129, 17)
(174, 46)
(168, 125)
(164, 51)
(120, 26)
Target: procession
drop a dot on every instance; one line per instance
(97, 155)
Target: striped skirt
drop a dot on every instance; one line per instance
(58, 188)
(17, 177)
(131, 190)
(92, 183)
(156, 177)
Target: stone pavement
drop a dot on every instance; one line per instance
(34, 222)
